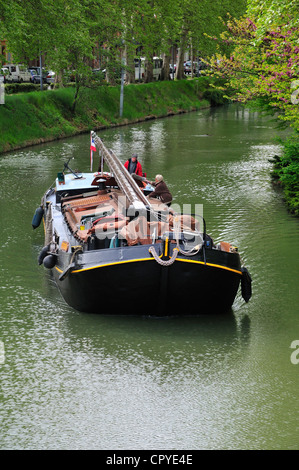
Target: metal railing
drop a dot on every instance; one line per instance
(125, 181)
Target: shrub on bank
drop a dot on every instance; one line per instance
(286, 172)
(13, 88)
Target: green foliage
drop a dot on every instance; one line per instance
(264, 62)
(262, 69)
(11, 88)
(214, 92)
(286, 172)
(269, 12)
(72, 33)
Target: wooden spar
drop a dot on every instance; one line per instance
(125, 181)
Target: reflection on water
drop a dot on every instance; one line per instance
(80, 381)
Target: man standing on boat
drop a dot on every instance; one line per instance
(161, 190)
(134, 166)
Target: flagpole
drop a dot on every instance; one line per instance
(91, 152)
(102, 163)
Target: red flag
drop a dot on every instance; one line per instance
(92, 145)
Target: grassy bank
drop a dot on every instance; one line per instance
(35, 117)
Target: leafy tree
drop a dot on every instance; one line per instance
(25, 29)
(200, 22)
(149, 29)
(263, 68)
(157, 25)
(264, 63)
(72, 33)
(65, 31)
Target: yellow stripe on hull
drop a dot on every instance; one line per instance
(152, 259)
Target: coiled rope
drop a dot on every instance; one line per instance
(192, 252)
(161, 261)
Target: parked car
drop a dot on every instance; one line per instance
(17, 73)
(35, 75)
(32, 74)
(36, 79)
(172, 68)
(50, 76)
(34, 68)
(188, 67)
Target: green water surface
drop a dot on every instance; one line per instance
(82, 381)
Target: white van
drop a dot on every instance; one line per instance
(17, 73)
(140, 68)
(157, 68)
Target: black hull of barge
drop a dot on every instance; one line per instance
(129, 281)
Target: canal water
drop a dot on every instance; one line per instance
(83, 381)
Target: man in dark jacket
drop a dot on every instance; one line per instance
(133, 165)
(161, 191)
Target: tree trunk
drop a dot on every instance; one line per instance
(180, 62)
(192, 73)
(59, 78)
(130, 71)
(165, 67)
(110, 78)
(77, 88)
(179, 73)
(149, 74)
